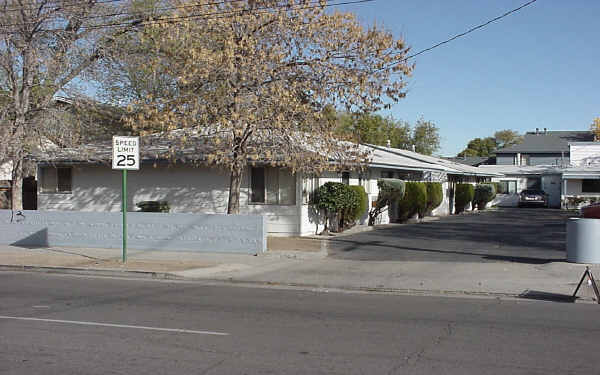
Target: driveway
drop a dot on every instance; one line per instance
(526, 235)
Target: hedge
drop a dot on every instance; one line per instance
(335, 198)
(484, 193)
(363, 203)
(435, 195)
(413, 202)
(390, 190)
(463, 195)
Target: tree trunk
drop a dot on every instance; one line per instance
(17, 182)
(235, 182)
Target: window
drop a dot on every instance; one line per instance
(56, 180)
(346, 178)
(272, 186)
(525, 159)
(590, 186)
(507, 187)
(387, 174)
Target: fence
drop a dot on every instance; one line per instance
(146, 231)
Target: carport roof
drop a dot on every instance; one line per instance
(522, 169)
(448, 166)
(383, 159)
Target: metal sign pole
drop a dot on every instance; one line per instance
(124, 208)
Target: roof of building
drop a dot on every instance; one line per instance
(473, 161)
(194, 150)
(522, 169)
(548, 142)
(449, 166)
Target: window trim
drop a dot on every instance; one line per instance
(45, 169)
(265, 187)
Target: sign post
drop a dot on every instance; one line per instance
(126, 156)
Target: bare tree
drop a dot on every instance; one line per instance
(46, 47)
(255, 77)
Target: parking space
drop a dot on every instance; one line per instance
(527, 235)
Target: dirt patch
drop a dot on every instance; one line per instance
(310, 245)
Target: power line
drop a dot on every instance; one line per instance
(469, 31)
(225, 14)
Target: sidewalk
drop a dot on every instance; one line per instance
(302, 262)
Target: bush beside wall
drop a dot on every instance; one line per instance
(413, 202)
(435, 195)
(463, 195)
(484, 193)
(340, 202)
(363, 203)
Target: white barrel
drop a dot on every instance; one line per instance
(583, 240)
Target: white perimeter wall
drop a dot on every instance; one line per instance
(187, 189)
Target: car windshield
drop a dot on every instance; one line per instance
(532, 192)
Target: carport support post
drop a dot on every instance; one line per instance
(124, 209)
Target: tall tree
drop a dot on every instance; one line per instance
(45, 46)
(374, 129)
(480, 147)
(426, 138)
(255, 78)
(507, 138)
(595, 127)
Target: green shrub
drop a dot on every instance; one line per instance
(335, 198)
(435, 195)
(484, 193)
(153, 206)
(363, 203)
(498, 186)
(390, 190)
(413, 202)
(463, 195)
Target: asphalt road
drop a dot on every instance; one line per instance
(53, 324)
(528, 235)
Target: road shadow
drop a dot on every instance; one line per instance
(545, 296)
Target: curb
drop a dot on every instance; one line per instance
(133, 274)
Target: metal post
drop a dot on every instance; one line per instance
(124, 209)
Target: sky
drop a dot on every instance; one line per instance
(536, 68)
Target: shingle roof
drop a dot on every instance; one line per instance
(548, 142)
(450, 166)
(469, 160)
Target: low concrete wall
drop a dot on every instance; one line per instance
(146, 231)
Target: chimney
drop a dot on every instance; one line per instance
(388, 144)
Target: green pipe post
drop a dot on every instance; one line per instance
(124, 209)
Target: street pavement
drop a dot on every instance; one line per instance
(495, 253)
(68, 324)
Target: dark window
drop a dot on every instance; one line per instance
(534, 183)
(590, 186)
(257, 185)
(346, 178)
(387, 174)
(508, 187)
(56, 180)
(63, 179)
(272, 186)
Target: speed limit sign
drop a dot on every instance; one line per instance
(126, 153)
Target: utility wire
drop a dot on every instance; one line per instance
(469, 31)
(177, 19)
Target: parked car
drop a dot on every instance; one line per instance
(531, 197)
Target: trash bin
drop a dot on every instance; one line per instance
(583, 240)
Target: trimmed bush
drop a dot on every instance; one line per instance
(335, 198)
(363, 203)
(390, 190)
(484, 193)
(463, 195)
(413, 202)
(435, 195)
